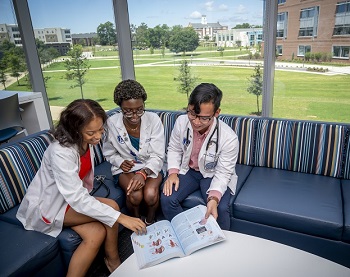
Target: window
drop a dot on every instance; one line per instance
(279, 50)
(308, 22)
(281, 2)
(303, 49)
(306, 32)
(341, 52)
(282, 23)
(342, 19)
(342, 7)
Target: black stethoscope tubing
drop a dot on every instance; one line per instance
(211, 136)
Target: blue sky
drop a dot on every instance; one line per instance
(83, 16)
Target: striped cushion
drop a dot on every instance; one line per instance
(99, 158)
(245, 129)
(346, 168)
(309, 147)
(18, 165)
(168, 119)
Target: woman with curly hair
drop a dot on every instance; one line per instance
(59, 196)
(135, 147)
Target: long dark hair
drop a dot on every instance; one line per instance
(205, 93)
(74, 118)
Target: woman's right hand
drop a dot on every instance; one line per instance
(134, 224)
(126, 165)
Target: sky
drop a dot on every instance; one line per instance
(84, 16)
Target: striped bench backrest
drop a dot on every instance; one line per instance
(19, 163)
(300, 146)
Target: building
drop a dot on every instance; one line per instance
(314, 26)
(58, 38)
(10, 32)
(87, 38)
(205, 29)
(239, 37)
(53, 35)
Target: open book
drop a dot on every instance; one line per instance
(186, 233)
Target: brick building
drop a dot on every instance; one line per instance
(316, 26)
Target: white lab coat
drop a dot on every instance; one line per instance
(56, 185)
(117, 146)
(179, 155)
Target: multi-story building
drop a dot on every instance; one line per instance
(205, 29)
(58, 38)
(10, 32)
(50, 35)
(239, 37)
(316, 26)
(87, 38)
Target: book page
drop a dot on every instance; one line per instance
(194, 231)
(158, 245)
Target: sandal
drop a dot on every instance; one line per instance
(107, 265)
(148, 224)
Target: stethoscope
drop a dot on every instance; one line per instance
(208, 166)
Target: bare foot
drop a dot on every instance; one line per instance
(112, 265)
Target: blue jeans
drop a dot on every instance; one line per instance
(189, 183)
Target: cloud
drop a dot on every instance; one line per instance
(195, 15)
(209, 6)
(223, 7)
(241, 9)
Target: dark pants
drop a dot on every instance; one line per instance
(189, 183)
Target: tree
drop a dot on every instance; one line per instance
(77, 67)
(256, 84)
(16, 64)
(142, 36)
(183, 40)
(185, 78)
(3, 67)
(106, 33)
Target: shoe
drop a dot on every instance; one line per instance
(148, 224)
(107, 265)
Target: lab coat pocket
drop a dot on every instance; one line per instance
(41, 222)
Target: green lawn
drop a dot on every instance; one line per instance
(297, 95)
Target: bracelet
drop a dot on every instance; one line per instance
(141, 173)
(213, 198)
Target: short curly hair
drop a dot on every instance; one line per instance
(129, 89)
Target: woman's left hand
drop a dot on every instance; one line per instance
(137, 182)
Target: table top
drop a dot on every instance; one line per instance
(239, 255)
(23, 96)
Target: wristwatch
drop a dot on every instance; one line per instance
(213, 198)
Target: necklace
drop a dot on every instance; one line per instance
(131, 129)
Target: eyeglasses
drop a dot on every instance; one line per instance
(130, 113)
(203, 119)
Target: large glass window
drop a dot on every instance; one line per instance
(311, 82)
(341, 52)
(223, 42)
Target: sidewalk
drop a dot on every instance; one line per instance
(55, 112)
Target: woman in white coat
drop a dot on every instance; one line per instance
(59, 193)
(135, 146)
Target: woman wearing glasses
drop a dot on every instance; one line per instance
(135, 147)
(202, 154)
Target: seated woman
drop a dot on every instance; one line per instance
(135, 147)
(59, 193)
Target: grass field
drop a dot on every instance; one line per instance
(297, 95)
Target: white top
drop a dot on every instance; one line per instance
(179, 153)
(118, 147)
(56, 185)
(239, 255)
